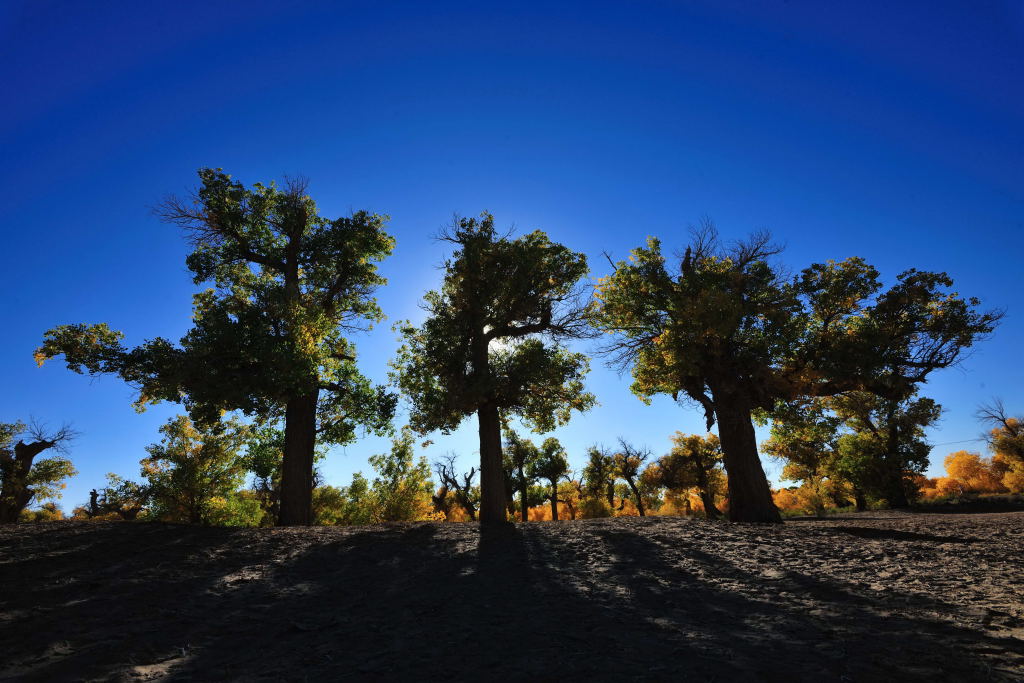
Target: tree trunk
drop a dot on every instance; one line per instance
(492, 476)
(860, 500)
(750, 498)
(707, 499)
(636, 499)
(554, 500)
(15, 494)
(611, 495)
(297, 464)
(896, 492)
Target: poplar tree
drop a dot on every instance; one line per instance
(491, 345)
(728, 329)
(269, 339)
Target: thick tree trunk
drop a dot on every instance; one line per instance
(750, 498)
(706, 498)
(896, 492)
(492, 476)
(15, 494)
(297, 464)
(611, 495)
(860, 500)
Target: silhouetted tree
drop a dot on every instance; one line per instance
(268, 338)
(481, 349)
(629, 462)
(23, 479)
(730, 331)
(465, 493)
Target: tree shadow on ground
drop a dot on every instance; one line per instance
(897, 535)
(427, 601)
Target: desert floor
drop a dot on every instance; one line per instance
(874, 596)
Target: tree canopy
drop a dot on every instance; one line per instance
(730, 330)
(269, 334)
(491, 343)
(195, 469)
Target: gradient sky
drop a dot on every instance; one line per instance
(891, 131)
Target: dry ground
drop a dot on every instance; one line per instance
(876, 596)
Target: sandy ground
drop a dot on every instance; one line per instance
(876, 596)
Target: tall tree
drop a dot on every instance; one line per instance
(23, 479)
(491, 343)
(727, 329)
(551, 465)
(268, 339)
(192, 466)
(694, 462)
(522, 454)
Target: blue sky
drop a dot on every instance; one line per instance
(892, 133)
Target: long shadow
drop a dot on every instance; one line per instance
(806, 627)
(427, 601)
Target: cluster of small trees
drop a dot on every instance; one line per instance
(837, 453)
(722, 327)
(195, 475)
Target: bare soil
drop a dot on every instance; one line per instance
(876, 596)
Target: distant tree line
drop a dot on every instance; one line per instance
(831, 358)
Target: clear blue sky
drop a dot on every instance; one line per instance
(891, 131)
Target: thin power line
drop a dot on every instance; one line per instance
(949, 443)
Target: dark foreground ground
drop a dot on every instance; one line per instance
(877, 596)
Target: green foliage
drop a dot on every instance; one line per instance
(598, 474)
(727, 321)
(479, 343)
(286, 285)
(24, 479)
(729, 330)
(694, 462)
(550, 464)
(195, 470)
(402, 489)
(239, 508)
(352, 504)
(874, 445)
(126, 498)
